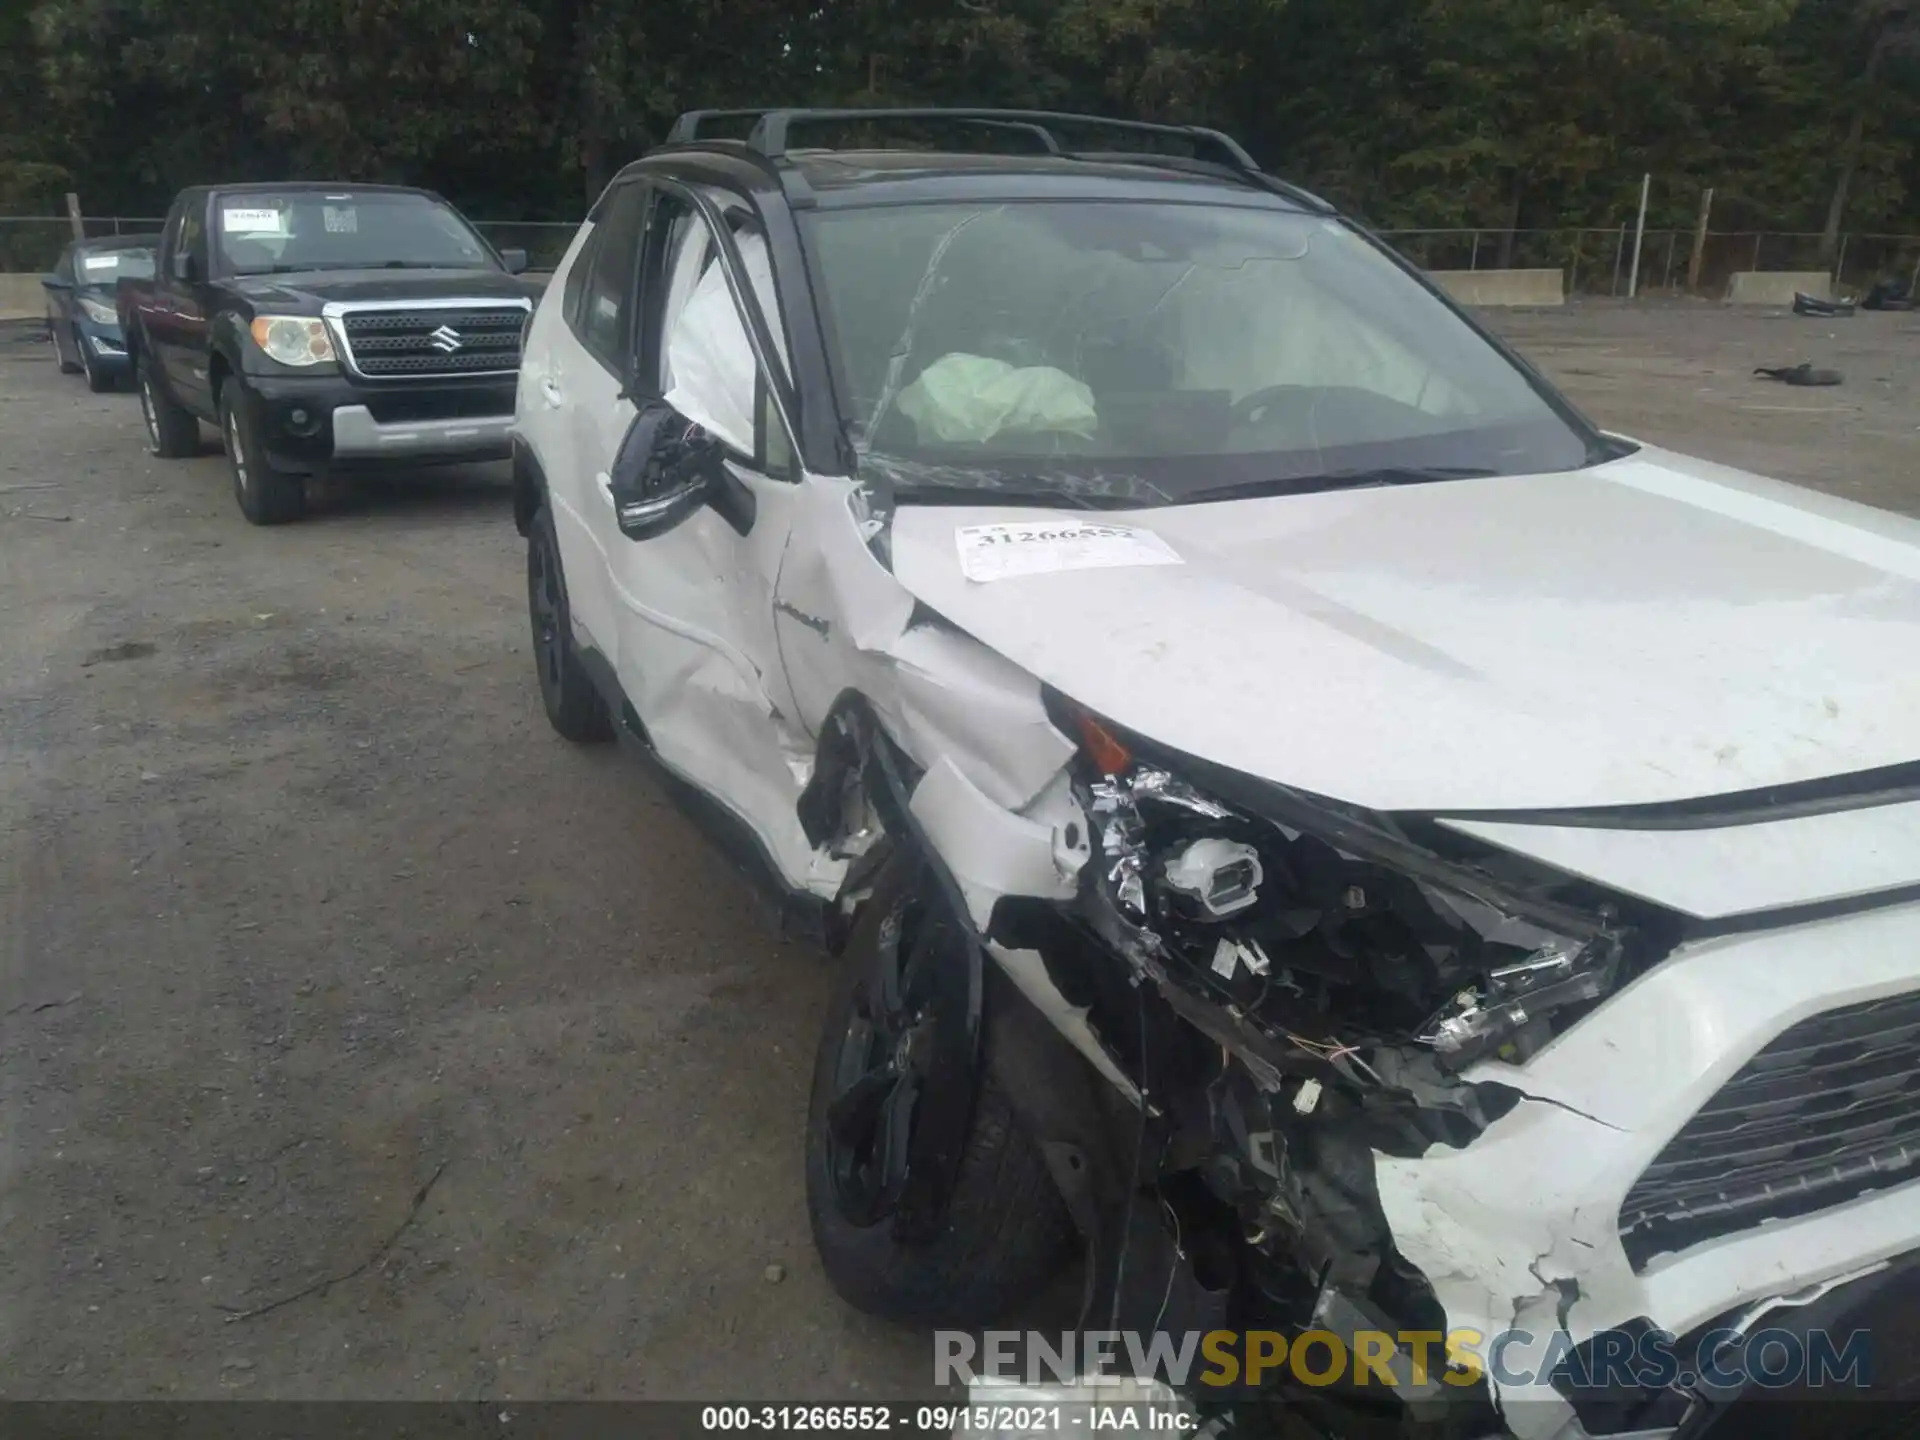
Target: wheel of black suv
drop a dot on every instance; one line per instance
(574, 706)
(67, 367)
(1000, 1231)
(172, 433)
(98, 381)
(267, 496)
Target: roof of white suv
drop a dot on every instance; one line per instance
(878, 177)
(1024, 152)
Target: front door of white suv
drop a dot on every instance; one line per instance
(696, 652)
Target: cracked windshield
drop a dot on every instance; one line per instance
(1160, 351)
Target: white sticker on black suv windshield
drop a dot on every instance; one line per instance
(1002, 552)
(340, 220)
(250, 222)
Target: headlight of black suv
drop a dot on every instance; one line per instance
(298, 340)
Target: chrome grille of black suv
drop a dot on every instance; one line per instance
(384, 344)
(1828, 1111)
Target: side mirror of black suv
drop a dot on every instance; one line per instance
(515, 260)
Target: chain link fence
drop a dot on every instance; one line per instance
(32, 243)
(545, 241)
(1596, 260)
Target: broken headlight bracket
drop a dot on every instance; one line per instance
(1198, 893)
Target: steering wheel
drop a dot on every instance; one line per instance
(1253, 409)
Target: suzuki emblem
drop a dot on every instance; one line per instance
(446, 339)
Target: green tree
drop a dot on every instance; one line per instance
(1481, 113)
(1886, 33)
(1539, 111)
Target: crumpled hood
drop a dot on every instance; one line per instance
(305, 291)
(1653, 629)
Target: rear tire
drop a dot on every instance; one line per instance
(267, 496)
(1005, 1230)
(172, 433)
(574, 705)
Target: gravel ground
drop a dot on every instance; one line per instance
(1680, 374)
(301, 907)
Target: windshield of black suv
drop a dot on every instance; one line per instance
(1160, 352)
(268, 232)
(105, 264)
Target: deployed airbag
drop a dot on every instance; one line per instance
(708, 356)
(966, 399)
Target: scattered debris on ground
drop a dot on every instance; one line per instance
(1802, 374)
(1805, 304)
(320, 1287)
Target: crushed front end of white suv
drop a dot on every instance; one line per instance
(1307, 817)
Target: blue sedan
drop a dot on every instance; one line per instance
(82, 319)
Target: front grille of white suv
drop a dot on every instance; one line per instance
(1828, 1111)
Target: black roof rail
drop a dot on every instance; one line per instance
(770, 134)
(1261, 178)
(688, 128)
(772, 128)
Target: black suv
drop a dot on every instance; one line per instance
(323, 326)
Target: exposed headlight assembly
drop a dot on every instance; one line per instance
(293, 339)
(1482, 1017)
(1329, 929)
(97, 312)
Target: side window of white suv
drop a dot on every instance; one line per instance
(698, 352)
(600, 308)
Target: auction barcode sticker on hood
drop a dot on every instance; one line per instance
(1001, 552)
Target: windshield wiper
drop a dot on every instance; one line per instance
(317, 265)
(1377, 478)
(987, 495)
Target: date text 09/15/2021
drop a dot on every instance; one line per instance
(944, 1420)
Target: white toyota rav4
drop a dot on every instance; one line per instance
(1308, 819)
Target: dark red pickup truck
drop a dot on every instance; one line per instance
(325, 326)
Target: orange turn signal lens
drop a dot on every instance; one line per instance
(1109, 756)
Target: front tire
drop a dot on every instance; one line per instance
(1003, 1230)
(573, 704)
(67, 367)
(267, 496)
(172, 433)
(98, 381)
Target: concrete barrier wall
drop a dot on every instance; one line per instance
(1504, 287)
(1776, 287)
(21, 297)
